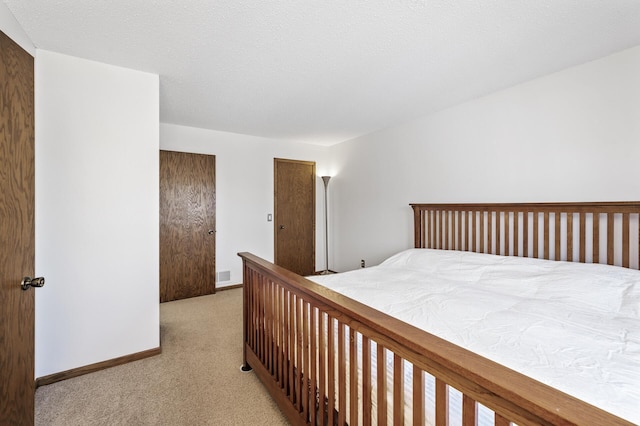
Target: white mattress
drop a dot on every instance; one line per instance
(575, 327)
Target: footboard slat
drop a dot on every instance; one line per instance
(261, 319)
(501, 421)
(280, 377)
(398, 390)
(253, 311)
(366, 381)
(342, 377)
(269, 324)
(418, 396)
(322, 371)
(305, 382)
(256, 313)
(381, 361)
(469, 411)
(291, 337)
(313, 389)
(331, 369)
(354, 409)
(442, 403)
(299, 366)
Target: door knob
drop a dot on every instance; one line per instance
(211, 232)
(281, 226)
(31, 282)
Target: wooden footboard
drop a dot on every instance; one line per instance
(324, 358)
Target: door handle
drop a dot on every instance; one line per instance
(281, 227)
(31, 282)
(211, 232)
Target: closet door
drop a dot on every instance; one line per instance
(295, 218)
(187, 225)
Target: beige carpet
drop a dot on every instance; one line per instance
(195, 381)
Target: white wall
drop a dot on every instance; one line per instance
(570, 136)
(244, 189)
(96, 212)
(14, 31)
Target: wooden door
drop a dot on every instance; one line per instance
(17, 241)
(295, 215)
(187, 225)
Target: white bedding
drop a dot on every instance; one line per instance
(575, 327)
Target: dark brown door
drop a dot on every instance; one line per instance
(295, 215)
(187, 225)
(17, 241)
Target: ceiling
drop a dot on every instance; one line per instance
(325, 71)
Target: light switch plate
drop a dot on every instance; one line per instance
(269, 217)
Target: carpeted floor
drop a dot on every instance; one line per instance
(195, 381)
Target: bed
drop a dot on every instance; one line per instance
(326, 358)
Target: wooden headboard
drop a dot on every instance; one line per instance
(594, 232)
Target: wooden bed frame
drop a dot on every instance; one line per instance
(289, 323)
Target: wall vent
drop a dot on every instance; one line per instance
(223, 276)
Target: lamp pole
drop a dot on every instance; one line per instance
(325, 179)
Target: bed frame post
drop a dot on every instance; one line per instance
(245, 365)
(418, 232)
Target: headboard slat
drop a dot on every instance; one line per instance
(525, 234)
(481, 240)
(596, 238)
(570, 237)
(536, 235)
(459, 221)
(610, 235)
(625, 240)
(500, 245)
(583, 237)
(490, 233)
(546, 234)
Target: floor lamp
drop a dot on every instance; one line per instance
(325, 179)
